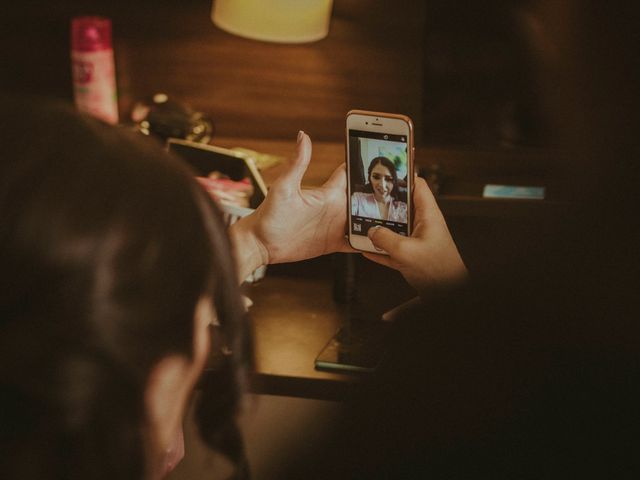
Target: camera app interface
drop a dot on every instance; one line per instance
(378, 173)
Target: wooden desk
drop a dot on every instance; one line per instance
(293, 317)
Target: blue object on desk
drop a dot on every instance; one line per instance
(513, 191)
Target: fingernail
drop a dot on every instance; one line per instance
(300, 135)
(371, 230)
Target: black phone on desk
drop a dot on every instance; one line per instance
(206, 159)
(358, 347)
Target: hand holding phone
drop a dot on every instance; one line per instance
(429, 260)
(380, 175)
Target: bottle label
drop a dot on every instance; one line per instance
(82, 72)
(94, 84)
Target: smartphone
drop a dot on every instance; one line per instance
(380, 160)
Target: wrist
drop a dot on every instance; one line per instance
(249, 252)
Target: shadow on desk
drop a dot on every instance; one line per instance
(294, 315)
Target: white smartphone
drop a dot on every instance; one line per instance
(380, 155)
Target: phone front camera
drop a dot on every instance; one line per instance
(366, 123)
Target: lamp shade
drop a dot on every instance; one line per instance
(283, 21)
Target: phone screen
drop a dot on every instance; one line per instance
(378, 174)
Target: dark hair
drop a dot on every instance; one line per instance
(107, 244)
(385, 162)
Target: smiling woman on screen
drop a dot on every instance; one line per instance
(380, 200)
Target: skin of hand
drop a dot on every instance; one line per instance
(429, 260)
(293, 223)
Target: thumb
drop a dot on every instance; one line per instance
(384, 238)
(292, 177)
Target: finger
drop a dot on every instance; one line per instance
(385, 239)
(426, 207)
(338, 179)
(292, 177)
(423, 199)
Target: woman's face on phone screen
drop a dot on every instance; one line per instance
(382, 183)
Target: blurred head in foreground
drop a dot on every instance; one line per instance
(115, 266)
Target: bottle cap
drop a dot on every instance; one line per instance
(90, 34)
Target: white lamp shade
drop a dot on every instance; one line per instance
(283, 21)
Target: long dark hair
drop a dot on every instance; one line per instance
(106, 246)
(385, 162)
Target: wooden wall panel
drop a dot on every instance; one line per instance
(371, 59)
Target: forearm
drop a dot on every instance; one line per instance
(248, 252)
